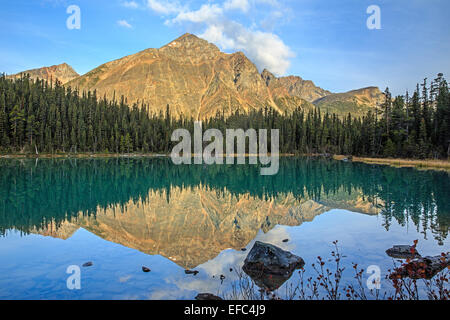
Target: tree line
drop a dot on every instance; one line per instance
(38, 116)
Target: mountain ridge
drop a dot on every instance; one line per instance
(62, 72)
(196, 79)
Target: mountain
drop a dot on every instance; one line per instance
(63, 72)
(356, 102)
(190, 75)
(294, 86)
(197, 80)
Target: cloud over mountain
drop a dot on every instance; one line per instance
(218, 24)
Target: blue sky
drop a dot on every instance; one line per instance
(326, 41)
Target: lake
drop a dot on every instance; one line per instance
(125, 213)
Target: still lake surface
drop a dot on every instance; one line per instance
(125, 213)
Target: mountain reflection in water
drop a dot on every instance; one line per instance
(190, 214)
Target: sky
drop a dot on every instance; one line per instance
(327, 41)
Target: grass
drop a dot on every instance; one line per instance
(401, 163)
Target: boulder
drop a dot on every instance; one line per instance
(403, 252)
(207, 297)
(194, 272)
(422, 268)
(270, 266)
(145, 269)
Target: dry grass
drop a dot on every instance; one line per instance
(421, 164)
(443, 165)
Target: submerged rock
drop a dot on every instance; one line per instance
(403, 252)
(145, 269)
(194, 272)
(422, 268)
(270, 266)
(207, 297)
(88, 264)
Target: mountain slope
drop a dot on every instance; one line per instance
(197, 80)
(63, 72)
(192, 76)
(356, 102)
(294, 86)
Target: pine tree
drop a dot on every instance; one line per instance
(4, 140)
(17, 119)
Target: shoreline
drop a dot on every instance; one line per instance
(81, 155)
(427, 164)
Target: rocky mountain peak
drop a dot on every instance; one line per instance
(267, 76)
(191, 46)
(62, 72)
(197, 80)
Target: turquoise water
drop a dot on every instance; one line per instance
(125, 213)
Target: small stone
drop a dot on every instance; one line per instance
(88, 264)
(403, 252)
(145, 269)
(207, 297)
(194, 272)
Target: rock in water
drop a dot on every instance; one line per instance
(88, 264)
(194, 272)
(422, 268)
(145, 269)
(207, 297)
(403, 252)
(270, 266)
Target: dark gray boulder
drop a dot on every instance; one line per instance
(207, 297)
(422, 268)
(403, 252)
(194, 272)
(270, 266)
(145, 269)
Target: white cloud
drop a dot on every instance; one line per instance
(265, 49)
(242, 5)
(130, 4)
(124, 23)
(207, 13)
(164, 7)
